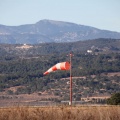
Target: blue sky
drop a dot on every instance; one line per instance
(103, 14)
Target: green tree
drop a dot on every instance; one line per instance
(114, 100)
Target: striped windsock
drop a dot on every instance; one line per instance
(59, 66)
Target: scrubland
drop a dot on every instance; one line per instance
(61, 113)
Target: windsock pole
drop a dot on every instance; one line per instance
(70, 79)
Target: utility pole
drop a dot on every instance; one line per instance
(70, 103)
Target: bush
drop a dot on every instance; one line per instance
(114, 100)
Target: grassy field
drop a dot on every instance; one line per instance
(61, 113)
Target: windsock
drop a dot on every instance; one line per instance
(58, 66)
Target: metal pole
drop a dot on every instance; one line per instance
(70, 79)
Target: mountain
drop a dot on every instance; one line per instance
(46, 31)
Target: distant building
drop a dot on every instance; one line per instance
(95, 98)
(25, 46)
(89, 51)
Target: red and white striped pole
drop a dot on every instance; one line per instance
(70, 103)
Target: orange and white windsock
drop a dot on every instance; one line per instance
(58, 66)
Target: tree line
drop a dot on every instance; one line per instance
(29, 71)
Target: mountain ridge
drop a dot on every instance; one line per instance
(45, 31)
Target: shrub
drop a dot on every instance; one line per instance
(114, 100)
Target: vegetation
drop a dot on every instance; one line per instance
(97, 45)
(25, 68)
(61, 113)
(24, 71)
(114, 100)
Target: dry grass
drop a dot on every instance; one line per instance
(61, 113)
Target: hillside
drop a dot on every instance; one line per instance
(98, 45)
(46, 31)
(94, 74)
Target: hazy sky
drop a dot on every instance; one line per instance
(103, 14)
